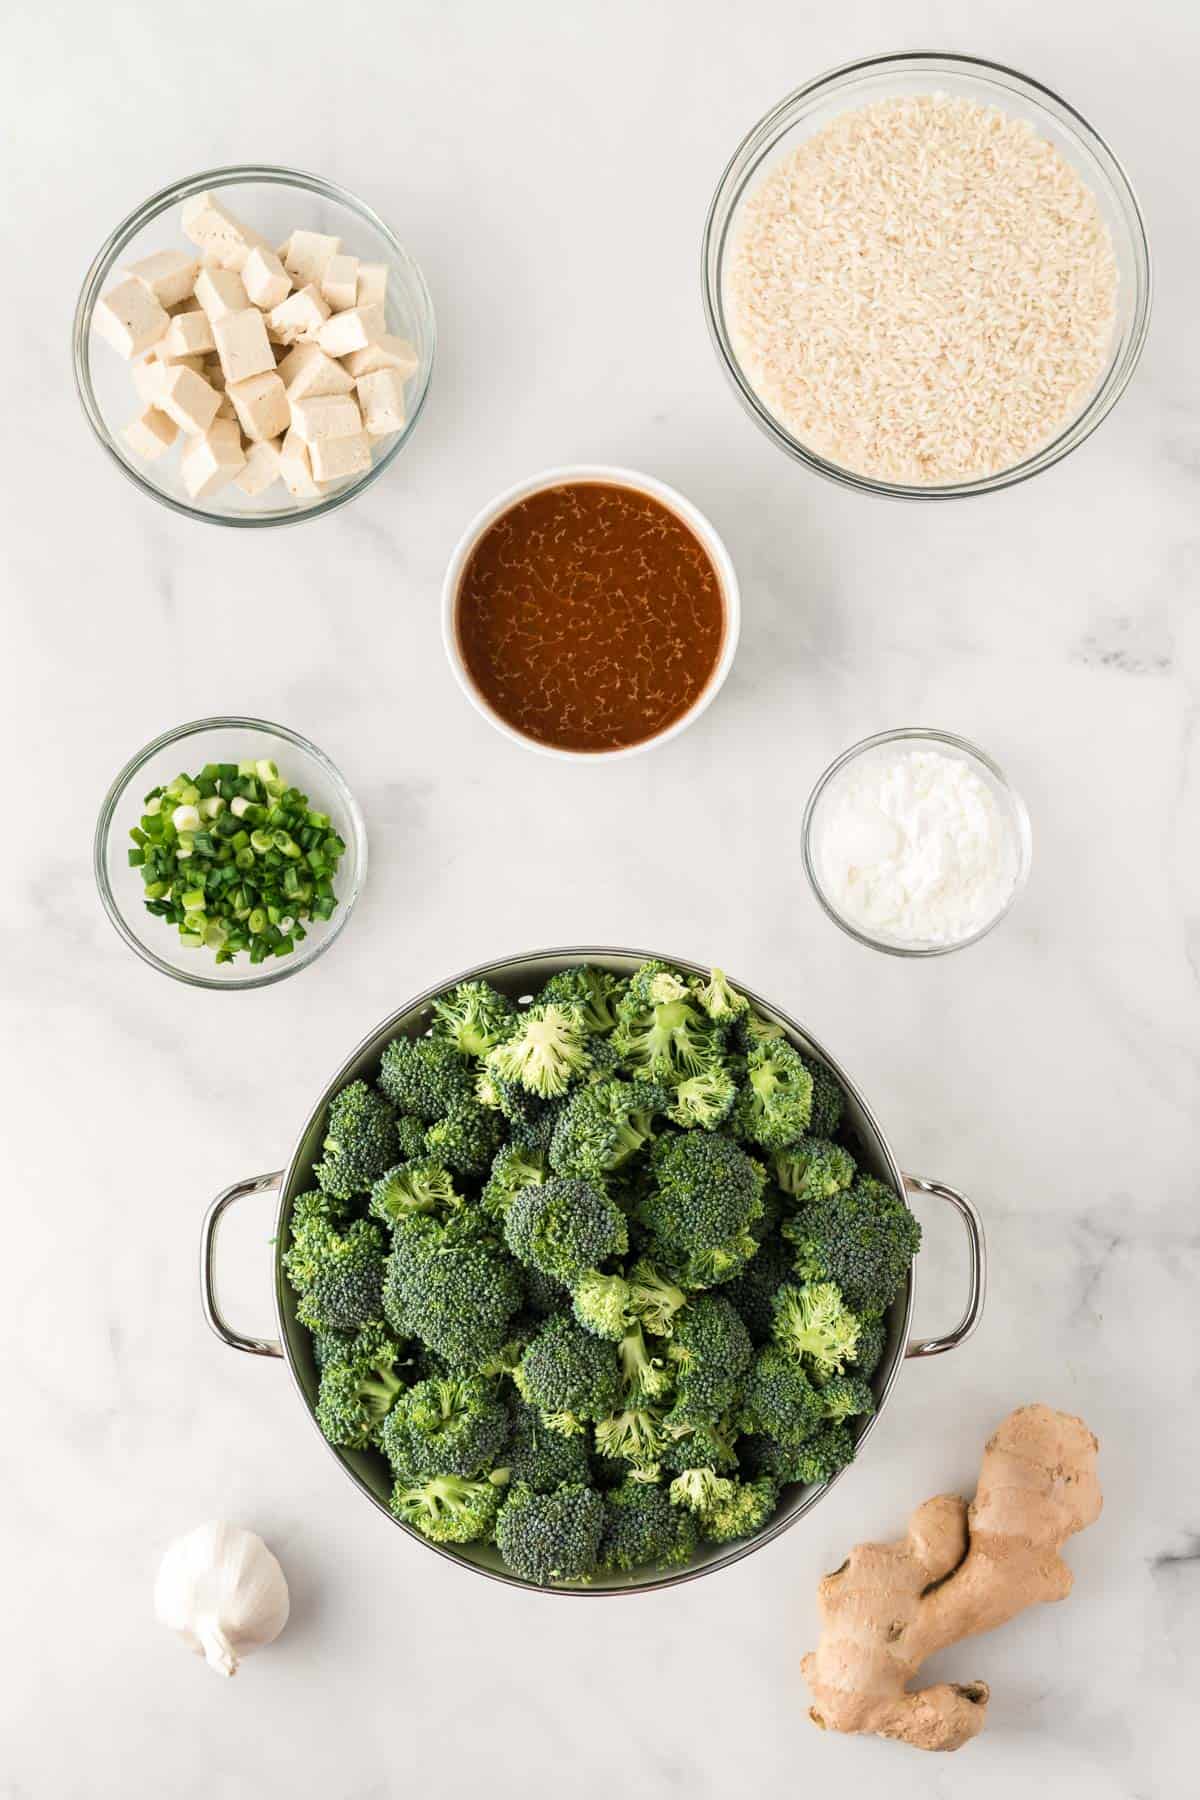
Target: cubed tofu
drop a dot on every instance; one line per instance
(295, 468)
(306, 254)
(243, 345)
(218, 232)
(169, 274)
(221, 291)
(381, 400)
(260, 468)
(130, 318)
(188, 334)
(190, 400)
(352, 330)
(339, 283)
(334, 458)
(385, 353)
(151, 433)
(301, 315)
(212, 459)
(326, 415)
(307, 370)
(148, 379)
(265, 279)
(372, 284)
(261, 403)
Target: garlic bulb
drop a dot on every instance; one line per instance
(223, 1592)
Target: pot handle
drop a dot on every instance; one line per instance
(977, 1291)
(257, 1184)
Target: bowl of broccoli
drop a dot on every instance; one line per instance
(594, 1270)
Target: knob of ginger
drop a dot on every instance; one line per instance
(959, 1571)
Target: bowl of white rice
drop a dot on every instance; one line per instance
(927, 276)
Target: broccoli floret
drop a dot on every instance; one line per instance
(709, 1352)
(818, 1458)
(339, 1276)
(719, 1000)
(846, 1397)
(593, 993)
(543, 1295)
(565, 1228)
(569, 1375)
(359, 1384)
(513, 1168)
(828, 1102)
(454, 1290)
(775, 1106)
(546, 1052)
(751, 1029)
(424, 1077)
(862, 1238)
(603, 1125)
(753, 1292)
(701, 1446)
(529, 1120)
(360, 1141)
(415, 1187)
(449, 1509)
(551, 1537)
(740, 1511)
(466, 1139)
(813, 1167)
(707, 1194)
(604, 1060)
(704, 1101)
(473, 1017)
(814, 1324)
(641, 1527)
(662, 1030)
(700, 1490)
(872, 1342)
(542, 1458)
(445, 1427)
(635, 1434)
(314, 1218)
(601, 1303)
(653, 1301)
(644, 1376)
(330, 1347)
(778, 1399)
(410, 1135)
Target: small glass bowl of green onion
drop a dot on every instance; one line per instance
(229, 853)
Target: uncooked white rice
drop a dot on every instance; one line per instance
(923, 292)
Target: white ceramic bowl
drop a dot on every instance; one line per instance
(642, 484)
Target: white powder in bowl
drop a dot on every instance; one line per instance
(915, 846)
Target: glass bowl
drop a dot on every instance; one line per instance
(273, 201)
(915, 737)
(841, 90)
(188, 748)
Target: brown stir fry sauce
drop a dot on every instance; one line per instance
(590, 617)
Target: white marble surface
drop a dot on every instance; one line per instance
(550, 165)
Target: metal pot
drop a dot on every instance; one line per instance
(521, 977)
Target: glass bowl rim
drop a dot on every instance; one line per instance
(928, 734)
(723, 206)
(283, 966)
(234, 175)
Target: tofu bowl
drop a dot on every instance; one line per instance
(253, 346)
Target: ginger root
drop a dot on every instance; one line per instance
(959, 1571)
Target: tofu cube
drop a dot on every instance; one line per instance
(220, 291)
(352, 330)
(381, 398)
(339, 283)
(188, 399)
(243, 345)
(385, 353)
(307, 370)
(188, 334)
(212, 459)
(372, 284)
(151, 433)
(301, 315)
(260, 468)
(305, 256)
(265, 279)
(295, 468)
(148, 379)
(334, 458)
(169, 274)
(130, 318)
(218, 232)
(325, 416)
(261, 404)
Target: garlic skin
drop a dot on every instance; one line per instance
(223, 1592)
